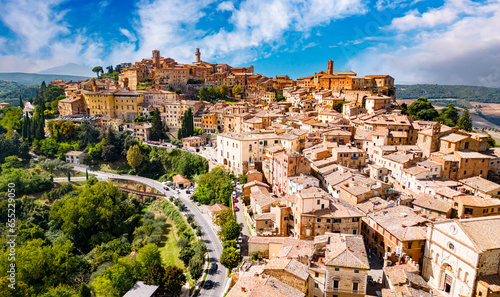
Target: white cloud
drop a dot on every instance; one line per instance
(42, 37)
(170, 26)
(446, 14)
(131, 37)
(225, 6)
(467, 51)
(392, 4)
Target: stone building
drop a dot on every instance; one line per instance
(395, 229)
(462, 257)
(346, 263)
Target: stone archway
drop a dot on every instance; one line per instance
(446, 278)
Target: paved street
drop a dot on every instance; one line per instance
(240, 218)
(213, 245)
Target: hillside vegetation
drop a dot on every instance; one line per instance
(467, 93)
(12, 96)
(36, 79)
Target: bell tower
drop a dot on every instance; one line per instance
(156, 58)
(198, 55)
(330, 67)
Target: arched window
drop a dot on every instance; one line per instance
(465, 277)
(459, 272)
(437, 257)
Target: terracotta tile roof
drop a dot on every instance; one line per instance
(481, 184)
(289, 265)
(346, 250)
(429, 202)
(453, 137)
(265, 216)
(217, 207)
(374, 204)
(478, 201)
(401, 221)
(179, 179)
(482, 231)
(491, 281)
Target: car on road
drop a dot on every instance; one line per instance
(213, 266)
(208, 284)
(240, 239)
(236, 208)
(235, 200)
(197, 203)
(233, 194)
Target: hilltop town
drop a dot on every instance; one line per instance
(342, 191)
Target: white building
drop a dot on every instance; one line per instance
(459, 252)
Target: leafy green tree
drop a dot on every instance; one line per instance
(148, 255)
(155, 275)
(186, 254)
(422, 109)
(491, 141)
(231, 230)
(223, 90)
(84, 290)
(110, 153)
(156, 126)
(223, 217)
(87, 134)
(465, 121)
(237, 90)
(174, 280)
(61, 291)
(195, 266)
(448, 116)
(95, 215)
(97, 70)
(214, 187)
(134, 157)
(21, 289)
(111, 137)
(255, 256)
(11, 119)
(230, 258)
(12, 162)
(114, 281)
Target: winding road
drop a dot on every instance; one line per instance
(214, 247)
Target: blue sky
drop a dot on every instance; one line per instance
(416, 41)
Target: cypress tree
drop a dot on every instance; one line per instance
(21, 103)
(465, 121)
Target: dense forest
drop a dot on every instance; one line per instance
(15, 91)
(468, 93)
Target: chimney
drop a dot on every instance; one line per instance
(243, 289)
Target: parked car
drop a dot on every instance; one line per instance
(240, 239)
(213, 266)
(208, 284)
(235, 200)
(236, 208)
(197, 203)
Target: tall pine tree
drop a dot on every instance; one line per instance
(156, 126)
(187, 128)
(465, 121)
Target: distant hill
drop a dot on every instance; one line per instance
(36, 79)
(467, 93)
(7, 86)
(12, 97)
(72, 69)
